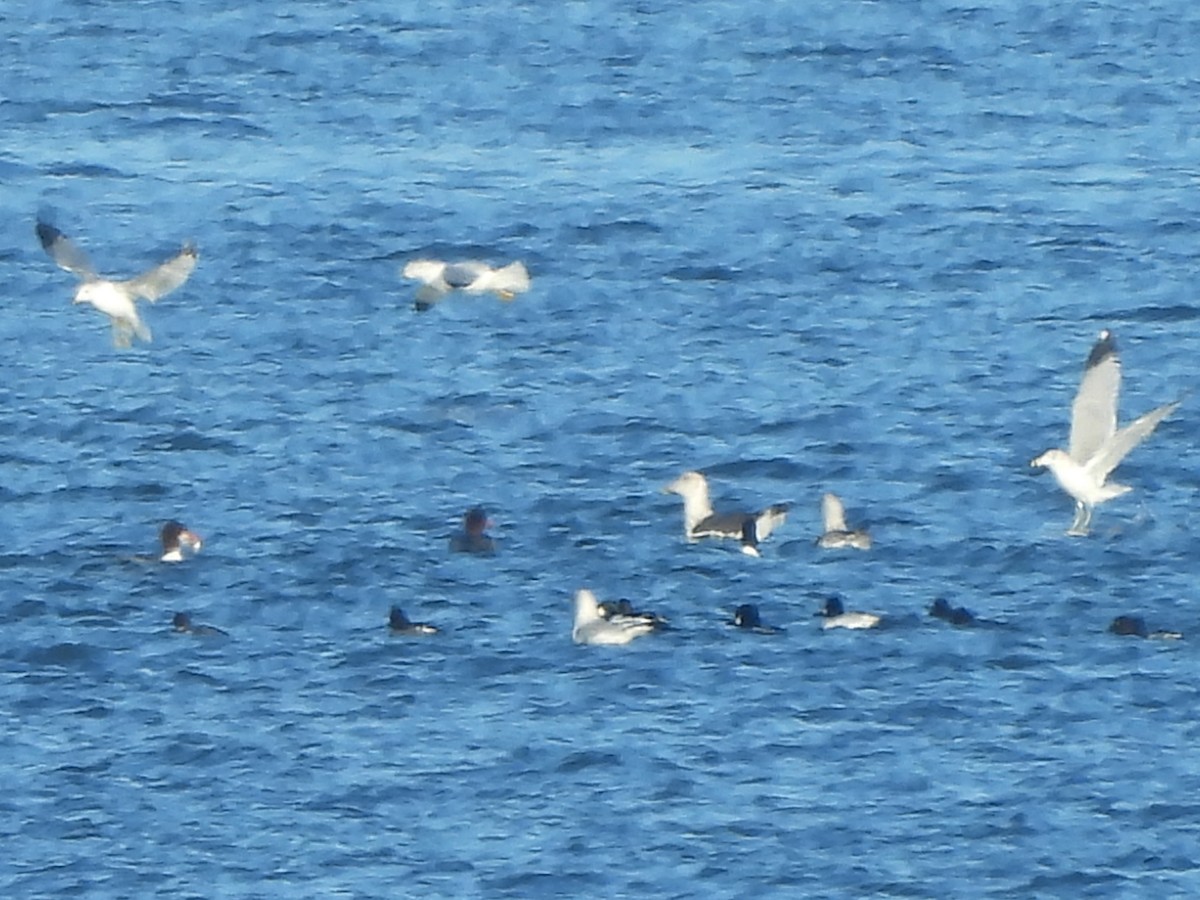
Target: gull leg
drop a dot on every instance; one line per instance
(1083, 518)
(122, 334)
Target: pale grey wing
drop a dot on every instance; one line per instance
(1094, 412)
(770, 519)
(64, 252)
(833, 514)
(1118, 447)
(161, 280)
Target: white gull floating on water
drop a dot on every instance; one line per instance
(471, 277)
(1096, 445)
(116, 298)
(592, 626)
(835, 533)
(699, 520)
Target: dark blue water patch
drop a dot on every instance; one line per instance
(86, 170)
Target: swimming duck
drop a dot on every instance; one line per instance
(955, 615)
(174, 537)
(835, 616)
(1136, 626)
(399, 623)
(474, 537)
(746, 616)
(182, 623)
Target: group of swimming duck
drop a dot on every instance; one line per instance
(1096, 447)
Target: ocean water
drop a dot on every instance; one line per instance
(851, 246)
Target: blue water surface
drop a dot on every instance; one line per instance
(835, 245)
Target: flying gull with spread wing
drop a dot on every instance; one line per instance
(471, 277)
(1097, 446)
(116, 298)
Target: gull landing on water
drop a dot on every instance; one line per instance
(699, 520)
(471, 277)
(116, 298)
(1096, 445)
(835, 533)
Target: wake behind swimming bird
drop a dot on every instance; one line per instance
(699, 520)
(116, 298)
(1096, 445)
(835, 533)
(592, 627)
(471, 277)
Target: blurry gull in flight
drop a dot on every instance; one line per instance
(116, 298)
(471, 277)
(1096, 445)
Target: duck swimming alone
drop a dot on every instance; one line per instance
(591, 627)
(746, 616)
(835, 616)
(835, 533)
(699, 520)
(1096, 446)
(399, 623)
(955, 615)
(471, 277)
(116, 298)
(474, 537)
(174, 537)
(1136, 626)
(182, 623)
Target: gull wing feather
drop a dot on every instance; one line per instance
(1094, 411)
(427, 271)
(1109, 456)
(833, 513)
(161, 280)
(769, 519)
(65, 253)
(507, 281)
